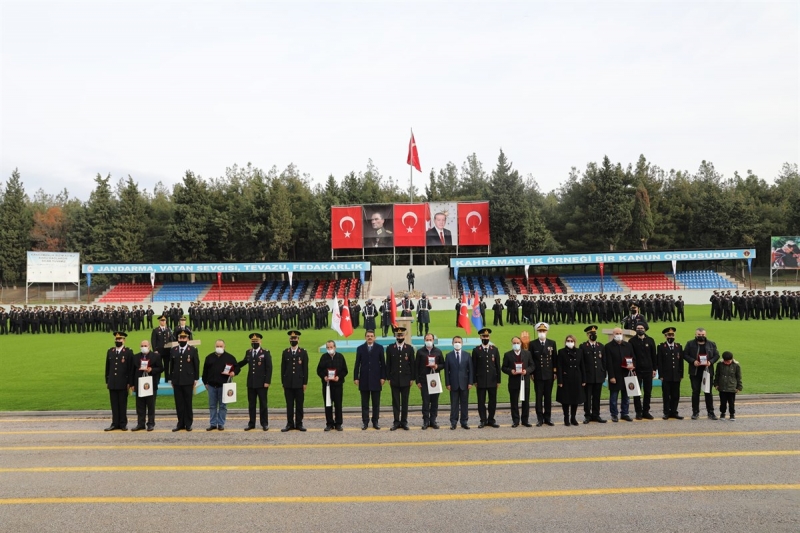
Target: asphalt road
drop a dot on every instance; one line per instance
(61, 472)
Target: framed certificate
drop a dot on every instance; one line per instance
(518, 367)
(628, 361)
(703, 359)
(143, 364)
(228, 369)
(331, 373)
(431, 360)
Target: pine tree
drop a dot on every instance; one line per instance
(16, 223)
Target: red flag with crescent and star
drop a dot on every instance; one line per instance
(409, 224)
(413, 155)
(347, 229)
(473, 224)
(346, 324)
(463, 315)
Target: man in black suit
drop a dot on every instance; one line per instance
(438, 235)
(518, 365)
(458, 377)
(146, 363)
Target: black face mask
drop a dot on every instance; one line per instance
(700, 338)
(485, 342)
(640, 333)
(255, 345)
(670, 340)
(118, 344)
(182, 343)
(399, 340)
(592, 336)
(294, 343)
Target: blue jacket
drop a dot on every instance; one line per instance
(370, 367)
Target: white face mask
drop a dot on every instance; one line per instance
(331, 351)
(516, 347)
(617, 337)
(219, 351)
(456, 345)
(145, 350)
(542, 336)
(429, 344)
(570, 344)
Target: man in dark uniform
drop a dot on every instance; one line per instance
(423, 315)
(119, 369)
(410, 277)
(669, 363)
(182, 328)
(332, 369)
(149, 314)
(370, 312)
(355, 313)
(594, 364)
(386, 316)
(184, 371)
(488, 375)
(294, 378)
(543, 351)
(644, 351)
(146, 363)
(369, 375)
(630, 321)
(498, 313)
(407, 306)
(400, 374)
(519, 366)
(429, 361)
(259, 377)
(159, 338)
(679, 304)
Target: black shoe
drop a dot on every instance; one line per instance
(249, 428)
(221, 428)
(600, 420)
(614, 419)
(338, 428)
(695, 416)
(434, 425)
(301, 427)
(665, 417)
(539, 424)
(549, 422)
(188, 428)
(574, 422)
(287, 428)
(638, 416)
(211, 428)
(327, 428)
(150, 428)
(464, 426)
(376, 426)
(566, 422)
(712, 416)
(647, 416)
(586, 420)
(627, 418)
(493, 424)
(177, 428)
(112, 427)
(394, 426)
(405, 426)
(481, 425)
(364, 427)
(515, 424)
(424, 426)
(265, 427)
(452, 426)
(733, 417)
(527, 424)
(677, 417)
(138, 428)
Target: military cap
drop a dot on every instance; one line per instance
(254, 336)
(183, 333)
(120, 334)
(484, 331)
(293, 333)
(399, 329)
(542, 326)
(589, 329)
(668, 330)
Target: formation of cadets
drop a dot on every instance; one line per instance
(756, 305)
(577, 371)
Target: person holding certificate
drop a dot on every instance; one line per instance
(429, 361)
(518, 365)
(701, 354)
(146, 363)
(218, 368)
(332, 369)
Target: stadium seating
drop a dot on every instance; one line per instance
(590, 283)
(232, 291)
(332, 289)
(704, 279)
(483, 285)
(128, 292)
(180, 292)
(647, 281)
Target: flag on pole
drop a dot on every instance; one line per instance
(336, 321)
(346, 326)
(392, 308)
(477, 319)
(463, 314)
(413, 155)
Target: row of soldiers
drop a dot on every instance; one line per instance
(757, 305)
(37, 319)
(234, 316)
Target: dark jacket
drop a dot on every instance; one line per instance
(294, 368)
(153, 361)
(259, 372)
(214, 365)
(370, 367)
(594, 361)
(570, 376)
(645, 351)
(421, 368)
(509, 364)
(691, 354)
(119, 368)
(400, 365)
(669, 361)
(338, 363)
(486, 362)
(728, 378)
(184, 368)
(544, 358)
(615, 354)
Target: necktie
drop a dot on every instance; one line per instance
(441, 236)
(458, 357)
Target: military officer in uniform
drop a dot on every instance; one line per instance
(429, 361)
(423, 315)
(259, 377)
(486, 362)
(498, 313)
(184, 373)
(669, 364)
(543, 351)
(182, 327)
(146, 363)
(119, 369)
(332, 369)
(400, 374)
(159, 338)
(369, 312)
(294, 378)
(594, 364)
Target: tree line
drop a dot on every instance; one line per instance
(250, 214)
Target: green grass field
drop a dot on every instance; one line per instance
(65, 371)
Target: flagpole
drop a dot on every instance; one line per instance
(411, 192)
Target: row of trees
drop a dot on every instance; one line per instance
(254, 215)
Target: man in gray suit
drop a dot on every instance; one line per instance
(458, 377)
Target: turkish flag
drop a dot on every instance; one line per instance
(409, 224)
(413, 155)
(473, 224)
(392, 308)
(463, 315)
(347, 323)
(347, 228)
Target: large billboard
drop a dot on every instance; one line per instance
(785, 252)
(53, 267)
(432, 224)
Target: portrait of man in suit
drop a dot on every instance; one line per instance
(438, 235)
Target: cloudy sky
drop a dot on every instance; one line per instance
(152, 89)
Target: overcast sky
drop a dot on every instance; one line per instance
(152, 89)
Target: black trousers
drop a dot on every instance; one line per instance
(430, 405)
(570, 410)
(400, 403)
(671, 395)
(642, 403)
(513, 393)
(482, 411)
(591, 407)
(727, 399)
(697, 384)
(183, 404)
(259, 394)
(366, 395)
(337, 391)
(119, 407)
(294, 405)
(146, 408)
(459, 405)
(544, 397)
